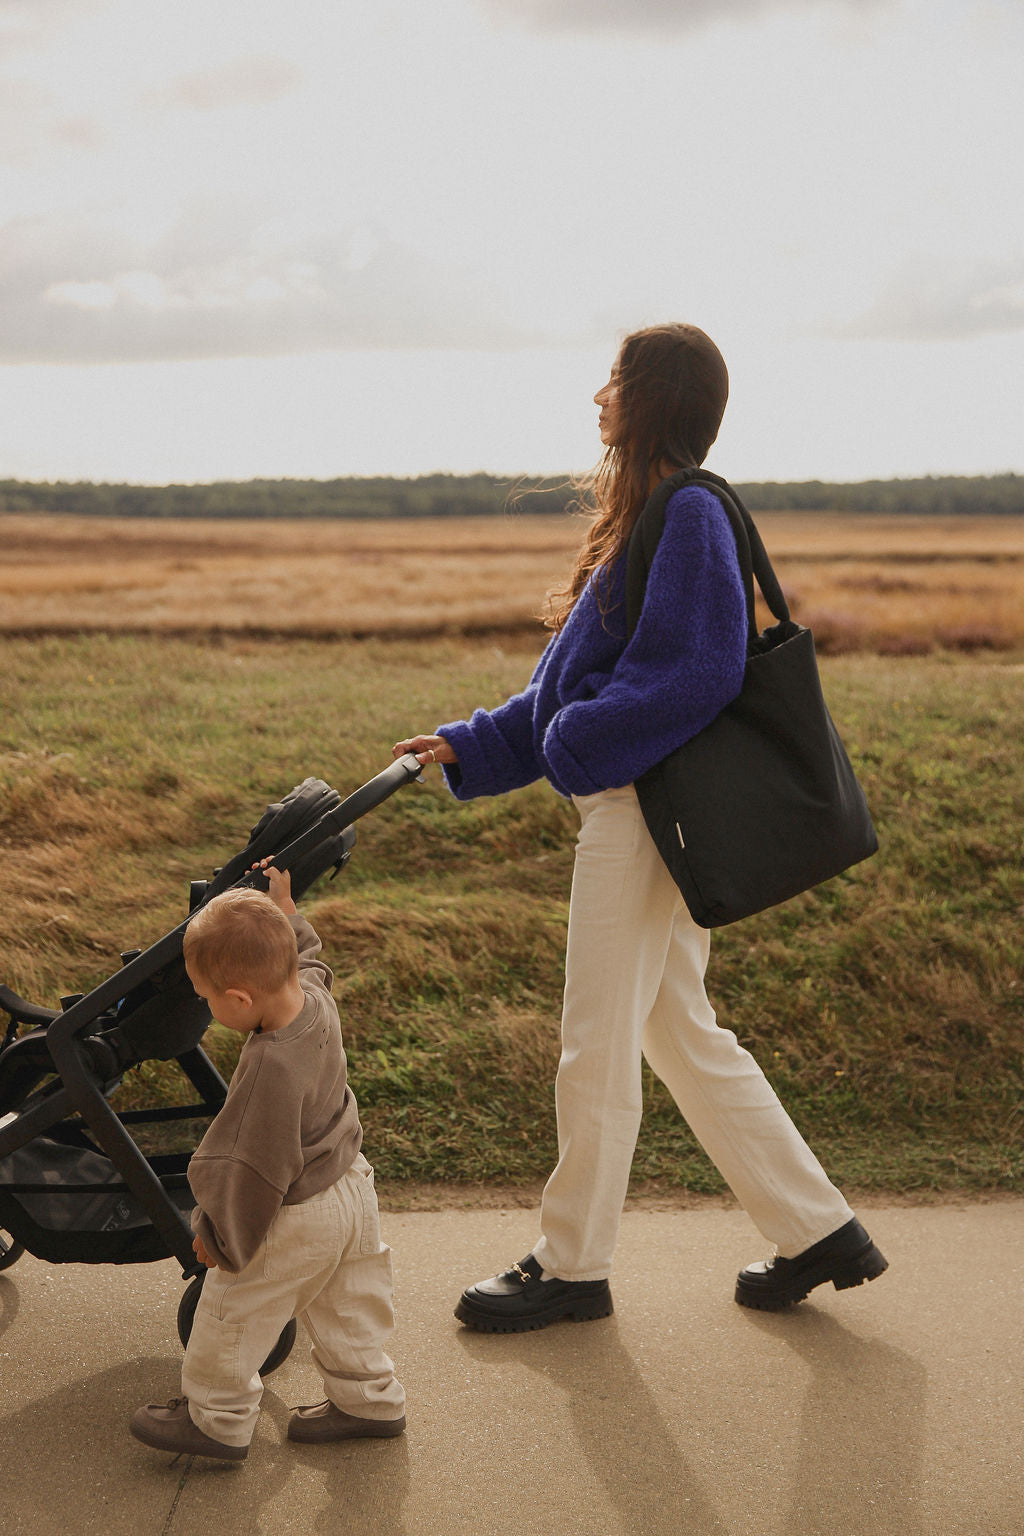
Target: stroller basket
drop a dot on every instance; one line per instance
(74, 1187)
(68, 1204)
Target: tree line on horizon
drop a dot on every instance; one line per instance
(441, 495)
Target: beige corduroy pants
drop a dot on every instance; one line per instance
(634, 987)
(322, 1261)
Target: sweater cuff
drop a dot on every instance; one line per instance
(564, 767)
(202, 1226)
(306, 936)
(470, 776)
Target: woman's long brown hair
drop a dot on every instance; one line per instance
(672, 386)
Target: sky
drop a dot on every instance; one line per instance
(268, 238)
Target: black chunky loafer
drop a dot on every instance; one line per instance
(519, 1300)
(847, 1257)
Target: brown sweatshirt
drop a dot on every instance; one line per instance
(289, 1127)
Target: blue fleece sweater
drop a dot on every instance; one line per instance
(597, 711)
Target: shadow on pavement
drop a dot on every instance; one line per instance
(10, 1303)
(363, 1484)
(860, 1460)
(78, 1469)
(632, 1450)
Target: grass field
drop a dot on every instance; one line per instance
(899, 585)
(886, 1006)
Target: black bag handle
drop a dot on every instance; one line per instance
(752, 555)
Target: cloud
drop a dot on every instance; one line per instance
(31, 125)
(24, 114)
(25, 24)
(647, 16)
(221, 283)
(944, 305)
(244, 82)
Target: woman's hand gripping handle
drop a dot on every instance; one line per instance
(426, 750)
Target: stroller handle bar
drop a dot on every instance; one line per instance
(376, 790)
(366, 798)
(371, 794)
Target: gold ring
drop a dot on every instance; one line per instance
(433, 754)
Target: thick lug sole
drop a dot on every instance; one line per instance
(581, 1309)
(843, 1273)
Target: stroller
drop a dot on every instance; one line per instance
(74, 1187)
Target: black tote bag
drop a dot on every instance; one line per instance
(763, 803)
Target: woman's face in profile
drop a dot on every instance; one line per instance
(608, 422)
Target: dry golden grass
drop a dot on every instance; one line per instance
(860, 582)
(897, 607)
(312, 578)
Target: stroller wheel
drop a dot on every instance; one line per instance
(10, 1251)
(187, 1311)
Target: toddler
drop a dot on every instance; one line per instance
(286, 1219)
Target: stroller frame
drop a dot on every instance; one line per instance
(85, 1048)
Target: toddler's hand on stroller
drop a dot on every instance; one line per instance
(427, 749)
(280, 885)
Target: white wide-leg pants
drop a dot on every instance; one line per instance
(322, 1261)
(634, 986)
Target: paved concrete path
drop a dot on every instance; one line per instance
(893, 1410)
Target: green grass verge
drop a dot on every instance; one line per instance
(886, 1007)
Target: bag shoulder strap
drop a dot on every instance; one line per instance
(752, 555)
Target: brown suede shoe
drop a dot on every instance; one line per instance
(169, 1427)
(323, 1421)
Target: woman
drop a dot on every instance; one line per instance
(597, 712)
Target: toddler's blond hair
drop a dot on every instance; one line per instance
(242, 939)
